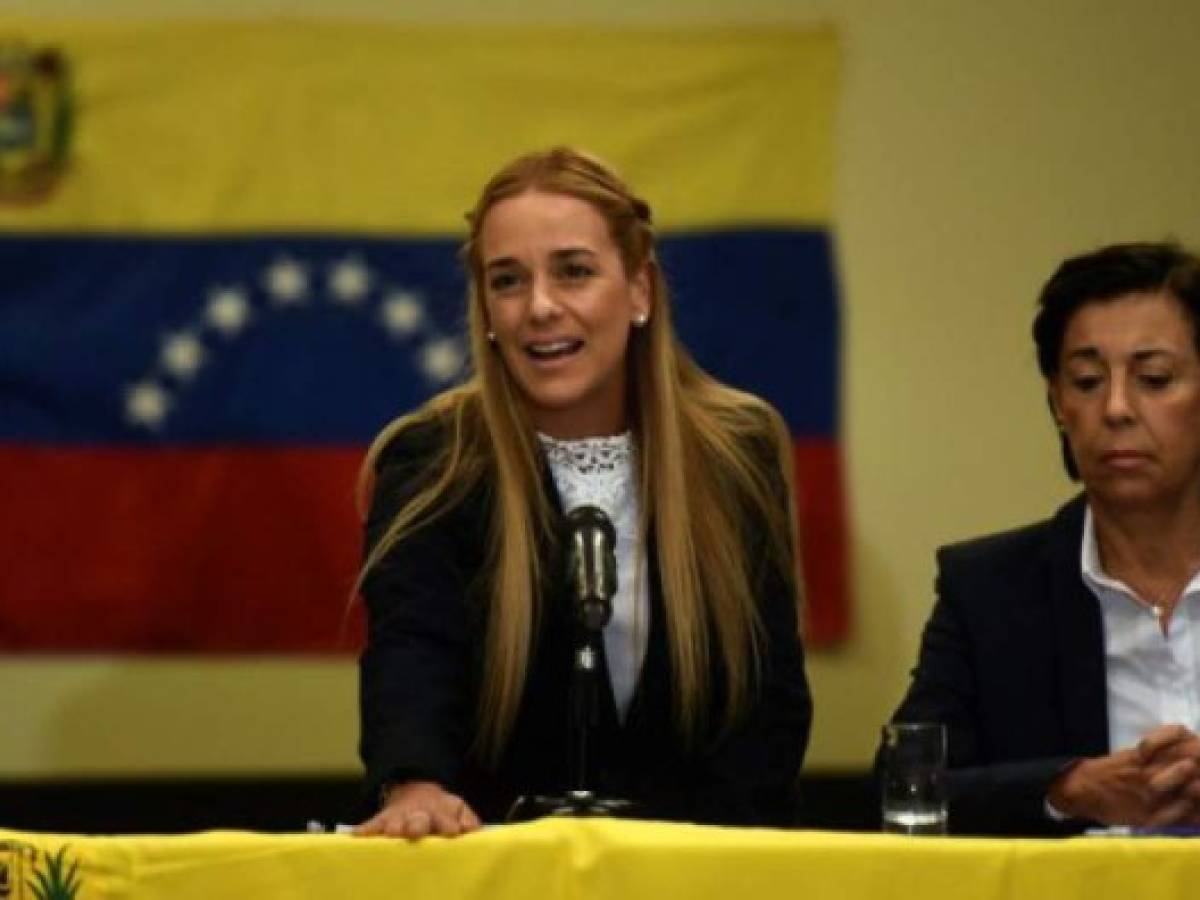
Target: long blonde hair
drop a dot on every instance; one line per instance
(712, 460)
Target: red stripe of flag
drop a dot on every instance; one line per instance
(198, 550)
(821, 509)
(224, 550)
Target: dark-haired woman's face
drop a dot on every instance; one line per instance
(1127, 396)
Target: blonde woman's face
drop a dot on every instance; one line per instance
(561, 307)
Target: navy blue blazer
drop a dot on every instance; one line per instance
(1012, 660)
(421, 671)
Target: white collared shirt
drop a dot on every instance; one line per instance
(1152, 679)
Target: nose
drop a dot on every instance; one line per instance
(543, 305)
(1118, 409)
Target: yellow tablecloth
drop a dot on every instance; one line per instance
(606, 860)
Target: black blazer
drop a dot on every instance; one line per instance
(421, 671)
(1012, 660)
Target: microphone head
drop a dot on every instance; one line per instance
(591, 564)
(589, 517)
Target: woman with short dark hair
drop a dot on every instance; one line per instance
(1064, 657)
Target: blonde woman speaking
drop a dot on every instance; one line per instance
(581, 394)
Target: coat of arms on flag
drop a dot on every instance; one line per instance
(35, 120)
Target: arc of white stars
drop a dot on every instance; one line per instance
(348, 282)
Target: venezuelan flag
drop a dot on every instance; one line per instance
(238, 262)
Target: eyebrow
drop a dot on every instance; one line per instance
(1091, 354)
(568, 252)
(559, 255)
(502, 263)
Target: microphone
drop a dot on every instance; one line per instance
(591, 565)
(591, 561)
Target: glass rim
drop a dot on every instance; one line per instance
(914, 726)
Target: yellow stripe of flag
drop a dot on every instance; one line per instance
(186, 126)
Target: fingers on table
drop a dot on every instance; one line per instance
(447, 815)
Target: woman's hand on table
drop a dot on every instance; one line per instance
(1110, 789)
(1170, 755)
(417, 809)
(1155, 784)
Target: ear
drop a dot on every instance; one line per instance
(641, 293)
(1055, 407)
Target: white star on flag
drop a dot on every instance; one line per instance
(146, 404)
(228, 310)
(182, 354)
(349, 281)
(442, 359)
(402, 313)
(287, 282)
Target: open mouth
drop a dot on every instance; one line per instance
(550, 350)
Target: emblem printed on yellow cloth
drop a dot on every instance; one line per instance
(23, 876)
(16, 865)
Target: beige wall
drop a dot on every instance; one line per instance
(978, 144)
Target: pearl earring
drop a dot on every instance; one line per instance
(640, 320)
(491, 336)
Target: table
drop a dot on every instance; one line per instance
(601, 859)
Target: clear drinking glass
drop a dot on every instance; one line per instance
(914, 767)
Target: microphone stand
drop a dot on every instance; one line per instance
(580, 799)
(593, 567)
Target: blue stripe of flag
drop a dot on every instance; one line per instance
(321, 340)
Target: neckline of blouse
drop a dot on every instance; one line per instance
(590, 455)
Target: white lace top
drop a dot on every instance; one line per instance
(602, 472)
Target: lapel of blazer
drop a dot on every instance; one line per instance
(652, 694)
(1078, 636)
